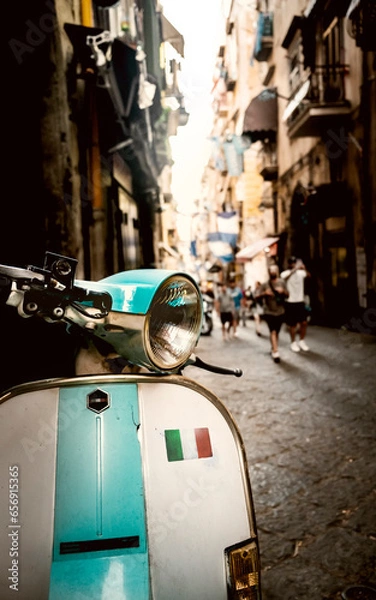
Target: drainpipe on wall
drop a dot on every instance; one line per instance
(368, 155)
(147, 200)
(97, 231)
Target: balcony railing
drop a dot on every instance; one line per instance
(268, 165)
(319, 102)
(264, 37)
(328, 84)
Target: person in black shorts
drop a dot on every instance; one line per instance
(296, 312)
(273, 292)
(226, 310)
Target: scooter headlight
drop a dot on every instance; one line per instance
(156, 317)
(173, 323)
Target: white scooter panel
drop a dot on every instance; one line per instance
(119, 488)
(196, 496)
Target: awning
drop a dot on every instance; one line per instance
(170, 34)
(215, 268)
(260, 119)
(249, 252)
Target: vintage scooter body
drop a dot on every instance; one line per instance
(118, 486)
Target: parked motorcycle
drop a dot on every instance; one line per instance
(129, 480)
(207, 320)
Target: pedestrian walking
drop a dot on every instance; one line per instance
(225, 307)
(273, 292)
(257, 309)
(296, 312)
(247, 305)
(237, 296)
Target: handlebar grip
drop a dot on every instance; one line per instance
(197, 362)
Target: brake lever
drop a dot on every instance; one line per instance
(195, 361)
(15, 282)
(49, 291)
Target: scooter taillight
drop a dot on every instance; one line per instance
(243, 571)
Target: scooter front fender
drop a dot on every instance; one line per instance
(119, 487)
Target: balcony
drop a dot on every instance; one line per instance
(264, 37)
(319, 103)
(268, 166)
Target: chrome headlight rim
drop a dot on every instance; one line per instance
(173, 364)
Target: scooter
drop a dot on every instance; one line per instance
(129, 480)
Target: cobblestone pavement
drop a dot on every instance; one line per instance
(309, 428)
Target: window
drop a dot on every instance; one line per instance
(332, 47)
(332, 61)
(296, 64)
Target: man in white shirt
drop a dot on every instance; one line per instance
(296, 314)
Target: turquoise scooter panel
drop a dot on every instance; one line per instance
(99, 506)
(131, 291)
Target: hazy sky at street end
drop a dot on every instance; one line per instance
(201, 24)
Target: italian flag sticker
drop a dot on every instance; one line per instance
(186, 444)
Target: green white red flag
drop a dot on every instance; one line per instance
(188, 444)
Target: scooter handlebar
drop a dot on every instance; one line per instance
(48, 292)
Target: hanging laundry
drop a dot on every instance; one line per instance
(228, 227)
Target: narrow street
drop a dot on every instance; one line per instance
(308, 425)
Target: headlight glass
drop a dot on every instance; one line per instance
(174, 323)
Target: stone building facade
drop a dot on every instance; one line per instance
(305, 98)
(89, 110)
(90, 98)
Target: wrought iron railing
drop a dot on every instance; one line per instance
(327, 84)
